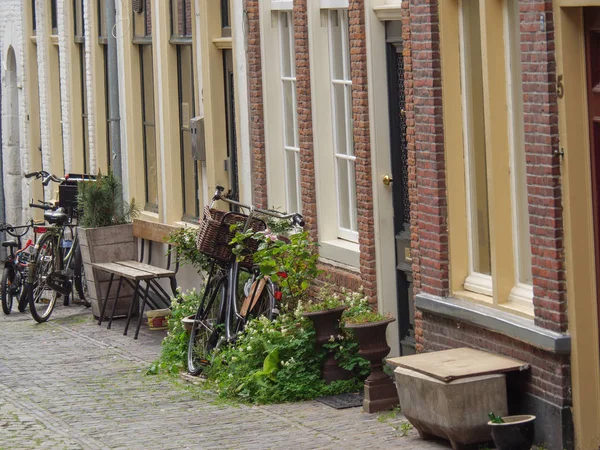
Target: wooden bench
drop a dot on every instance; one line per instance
(142, 271)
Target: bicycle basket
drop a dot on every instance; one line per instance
(215, 234)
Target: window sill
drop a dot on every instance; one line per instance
(341, 251)
(499, 318)
(282, 5)
(334, 4)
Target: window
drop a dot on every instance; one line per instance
(291, 149)
(343, 142)
(480, 264)
(103, 41)
(181, 37)
(79, 37)
(523, 275)
(225, 19)
(492, 220)
(142, 36)
(33, 17)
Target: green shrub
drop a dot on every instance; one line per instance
(173, 356)
(100, 203)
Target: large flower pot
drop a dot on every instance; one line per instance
(327, 325)
(516, 433)
(380, 392)
(107, 244)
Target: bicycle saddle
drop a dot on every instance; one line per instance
(58, 217)
(10, 244)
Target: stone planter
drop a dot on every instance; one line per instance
(380, 392)
(107, 244)
(516, 433)
(456, 410)
(327, 324)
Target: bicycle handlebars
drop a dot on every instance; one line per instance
(296, 218)
(46, 177)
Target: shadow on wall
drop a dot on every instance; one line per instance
(11, 158)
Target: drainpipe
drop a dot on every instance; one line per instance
(2, 204)
(113, 90)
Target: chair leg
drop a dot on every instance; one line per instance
(114, 308)
(137, 330)
(112, 277)
(133, 301)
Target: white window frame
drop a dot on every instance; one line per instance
(347, 154)
(293, 193)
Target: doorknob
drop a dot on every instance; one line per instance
(387, 180)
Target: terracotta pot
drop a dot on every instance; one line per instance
(380, 392)
(327, 324)
(188, 323)
(516, 433)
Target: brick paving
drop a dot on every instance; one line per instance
(70, 384)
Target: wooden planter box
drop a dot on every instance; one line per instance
(107, 244)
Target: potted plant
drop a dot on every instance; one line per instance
(512, 432)
(325, 316)
(105, 235)
(370, 328)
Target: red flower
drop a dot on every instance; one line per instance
(278, 295)
(282, 274)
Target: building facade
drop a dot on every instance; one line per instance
(439, 151)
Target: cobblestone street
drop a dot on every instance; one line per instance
(72, 384)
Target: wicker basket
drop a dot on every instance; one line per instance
(215, 234)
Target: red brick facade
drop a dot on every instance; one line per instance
(255, 95)
(549, 376)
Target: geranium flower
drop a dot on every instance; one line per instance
(282, 274)
(278, 295)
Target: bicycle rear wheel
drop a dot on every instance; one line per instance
(7, 289)
(208, 329)
(43, 299)
(79, 280)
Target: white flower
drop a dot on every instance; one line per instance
(249, 348)
(332, 338)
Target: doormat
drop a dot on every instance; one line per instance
(343, 401)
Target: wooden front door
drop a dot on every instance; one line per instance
(592, 48)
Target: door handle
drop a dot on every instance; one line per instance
(387, 180)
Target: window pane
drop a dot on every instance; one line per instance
(150, 160)
(343, 183)
(476, 148)
(288, 112)
(292, 184)
(186, 112)
(339, 104)
(336, 48)
(519, 163)
(285, 44)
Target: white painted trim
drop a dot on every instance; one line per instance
(521, 293)
(200, 109)
(334, 4)
(122, 105)
(282, 5)
(242, 100)
(342, 251)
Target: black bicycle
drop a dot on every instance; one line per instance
(57, 268)
(15, 267)
(223, 312)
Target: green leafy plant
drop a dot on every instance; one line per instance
(183, 243)
(277, 361)
(100, 203)
(173, 357)
(405, 427)
(291, 263)
(365, 317)
(495, 419)
(326, 299)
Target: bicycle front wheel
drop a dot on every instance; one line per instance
(43, 299)
(208, 330)
(7, 289)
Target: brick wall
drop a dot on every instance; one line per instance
(543, 168)
(362, 146)
(255, 94)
